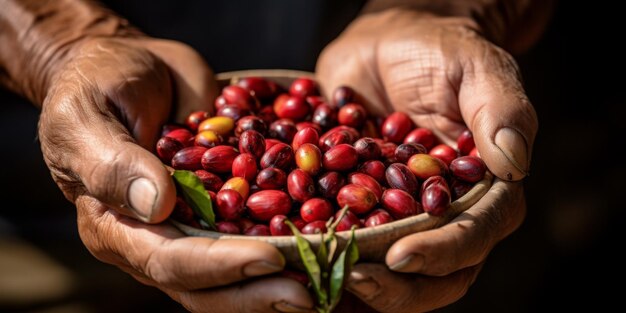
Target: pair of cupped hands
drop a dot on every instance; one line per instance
(104, 109)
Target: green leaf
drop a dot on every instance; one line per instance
(195, 195)
(347, 258)
(312, 268)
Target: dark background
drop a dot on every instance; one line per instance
(563, 256)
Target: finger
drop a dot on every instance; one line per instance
(495, 107)
(338, 66)
(84, 141)
(387, 291)
(466, 240)
(161, 253)
(195, 84)
(264, 295)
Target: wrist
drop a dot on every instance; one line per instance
(38, 38)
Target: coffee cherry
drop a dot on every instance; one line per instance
(265, 204)
(188, 158)
(229, 204)
(396, 126)
(468, 168)
(347, 221)
(295, 108)
(252, 142)
(367, 149)
(329, 184)
(219, 159)
(305, 135)
(238, 184)
(359, 199)
(258, 230)
(278, 226)
(279, 155)
(210, 181)
(228, 228)
(366, 181)
(300, 185)
(315, 227)
(378, 217)
(309, 159)
(407, 150)
(207, 139)
(444, 153)
(271, 178)
(353, 115)
(374, 168)
(423, 136)
(244, 165)
(343, 95)
(342, 157)
(167, 147)
(436, 199)
(195, 118)
(399, 176)
(183, 135)
(221, 125)
(399, 203)
(283, 130)
(316, 209)
(424, 166)
(250, 123)
(303, 87)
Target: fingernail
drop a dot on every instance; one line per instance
(410, 264)
(363, 286)
(258, 268)
(283, 306)
(142, 194)
(513, 146)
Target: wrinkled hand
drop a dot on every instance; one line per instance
(99, 122)
(443, 74)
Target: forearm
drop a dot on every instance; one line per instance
(36, 35)
(513, 24)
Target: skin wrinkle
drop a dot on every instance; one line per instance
(152, 266)
(373, 74)
(197, 249)
(92, 228)
(443, 123)
(104, 169)
(78, 115)
(104, 113)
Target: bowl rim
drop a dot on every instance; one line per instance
(416, 223)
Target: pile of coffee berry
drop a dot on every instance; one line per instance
(271, 154)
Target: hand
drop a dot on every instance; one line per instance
(99, 122)
(445, 76)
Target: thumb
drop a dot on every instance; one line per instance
(90, 152)
(495, 107)
(131, 179)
